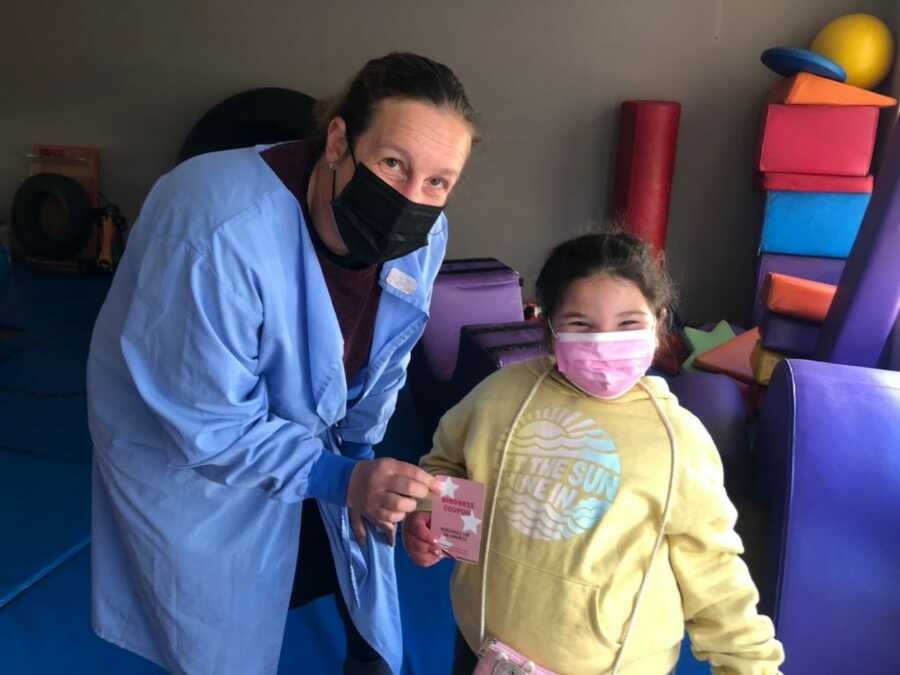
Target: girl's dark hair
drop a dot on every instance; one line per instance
(398, 75)
(617, 254)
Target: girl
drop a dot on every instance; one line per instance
(607, 528)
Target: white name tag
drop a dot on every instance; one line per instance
(401, 281)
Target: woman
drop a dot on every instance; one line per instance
(248, 356)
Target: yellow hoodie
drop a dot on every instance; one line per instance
(577, 516)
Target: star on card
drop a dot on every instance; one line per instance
(448, 488)
(470, 523)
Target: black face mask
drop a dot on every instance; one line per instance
(376, 222)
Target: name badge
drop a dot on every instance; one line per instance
(400, 280)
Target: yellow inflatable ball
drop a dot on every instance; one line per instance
(861, 44)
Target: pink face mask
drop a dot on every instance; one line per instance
(605, 365)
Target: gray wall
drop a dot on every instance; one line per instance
(547, 78)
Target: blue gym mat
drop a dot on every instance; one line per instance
(313, 641)
(13, 342)
(50, 304)
(44, 517)
(52, 366)
(50, 426)
(48, 629)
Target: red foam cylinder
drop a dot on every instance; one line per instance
(645, 164)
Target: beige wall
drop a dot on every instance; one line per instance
(547, 78)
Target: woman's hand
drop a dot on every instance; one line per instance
(384, 491)
(420, 545)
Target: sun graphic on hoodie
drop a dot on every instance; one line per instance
(562, 474)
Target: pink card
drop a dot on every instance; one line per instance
(456, 517)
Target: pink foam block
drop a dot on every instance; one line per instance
(818, 139)
(806, 182)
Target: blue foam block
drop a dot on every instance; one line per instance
(44, 517)
(821, 224)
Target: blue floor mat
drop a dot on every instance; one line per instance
(56, 366)
(54, 303)
(13, 342)
(45, 425)
(44, 517)
(47, 630)
(314, 640)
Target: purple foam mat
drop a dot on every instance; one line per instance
(890, 357)
(825, 270)
(867, 301)
(788, 335)
(828, 453)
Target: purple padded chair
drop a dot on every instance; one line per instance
(484, 349)
(470, 291)
(830, 444)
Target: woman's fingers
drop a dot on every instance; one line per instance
(358, 525)
(398, 503)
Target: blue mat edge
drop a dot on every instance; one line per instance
(27, 583)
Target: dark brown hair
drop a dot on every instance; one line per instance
(615, 253)
(399, 75)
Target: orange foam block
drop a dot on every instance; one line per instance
(809, 89)
(732, 358)
(796, 297)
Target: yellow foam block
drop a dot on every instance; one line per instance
(763, 362)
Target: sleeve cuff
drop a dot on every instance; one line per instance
(357, 450)
(329, 478)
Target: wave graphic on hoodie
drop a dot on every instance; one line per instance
(563, 473)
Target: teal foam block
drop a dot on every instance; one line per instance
(44, 517)
(821, 224)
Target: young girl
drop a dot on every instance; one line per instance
(608, 529)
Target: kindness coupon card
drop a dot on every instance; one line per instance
(456, 518)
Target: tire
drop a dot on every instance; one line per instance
(51, 216)
(257, 116)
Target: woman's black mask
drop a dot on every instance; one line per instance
(376, 222)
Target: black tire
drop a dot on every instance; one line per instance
(51, 216)
(257, 116)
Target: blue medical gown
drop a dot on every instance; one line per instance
(217, 402)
